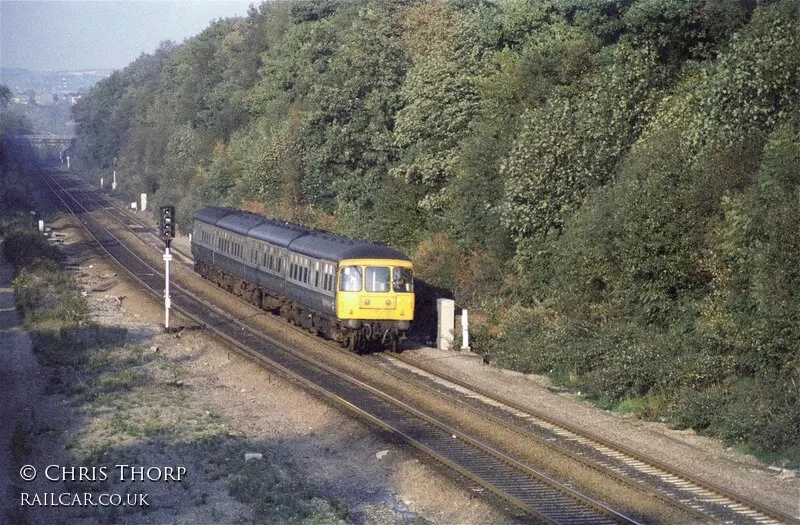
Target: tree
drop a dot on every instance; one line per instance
(349, 124)
(573, 143)
(440, 100)
(5, 95)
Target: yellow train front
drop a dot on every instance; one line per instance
(358, 293)
(375, 301)
(373, 298)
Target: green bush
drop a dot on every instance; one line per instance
(43, 290)
(23, 245)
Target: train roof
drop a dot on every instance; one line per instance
(240, 223)
(277, 233)
(212, 215)
(298, 239)
(336, 248)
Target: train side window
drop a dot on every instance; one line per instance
(350, 280)
(329, 277)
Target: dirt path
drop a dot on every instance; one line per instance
(20, 377)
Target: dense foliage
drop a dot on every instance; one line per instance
(613, 184)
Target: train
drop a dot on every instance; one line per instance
(357, 293)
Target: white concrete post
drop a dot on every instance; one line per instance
(114, 182)
(67, 161)
(445, 308)
(41, 225)
(134, 206)
(101, 183)
(144, 201)
(464, 330)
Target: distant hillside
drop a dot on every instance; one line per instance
(21, 81)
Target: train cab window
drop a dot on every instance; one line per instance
(350, 280)
(403, 280)
(377, 279)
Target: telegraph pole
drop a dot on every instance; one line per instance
(167, 227)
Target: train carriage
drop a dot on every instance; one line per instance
(354, 292)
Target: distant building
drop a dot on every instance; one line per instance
(43, 98)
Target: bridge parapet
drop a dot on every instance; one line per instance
(47, 145)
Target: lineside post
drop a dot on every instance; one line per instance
(167, 230)
(167, 302)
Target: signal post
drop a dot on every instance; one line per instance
(167, 229)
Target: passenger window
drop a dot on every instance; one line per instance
(350, 280)
(377, 279)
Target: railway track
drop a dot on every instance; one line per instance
(708, 499)
(478, 459)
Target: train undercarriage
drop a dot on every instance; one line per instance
(356, 336)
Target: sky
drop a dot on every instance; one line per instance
(110, 34)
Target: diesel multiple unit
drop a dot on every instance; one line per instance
(354, 292)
